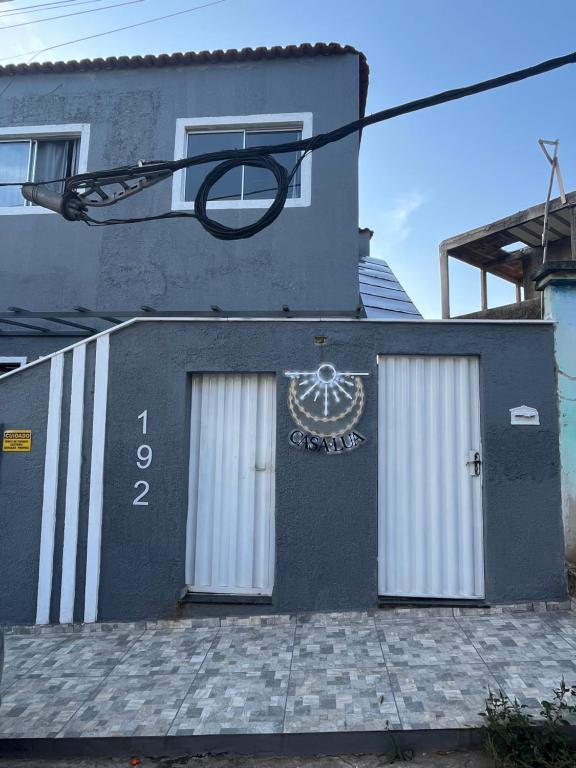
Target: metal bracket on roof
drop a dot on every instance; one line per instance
(553, 160)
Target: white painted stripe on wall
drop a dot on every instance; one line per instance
(96, 481)
(50, 491)
(68, 587)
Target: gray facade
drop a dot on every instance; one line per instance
(77, 545)
(307, 259)
(326, 508)
(33, 347)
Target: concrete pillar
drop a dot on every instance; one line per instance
(364, 237)
(445, 282)
(557, 279)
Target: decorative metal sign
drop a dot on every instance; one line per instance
(326, 405)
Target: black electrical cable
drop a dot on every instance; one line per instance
(221, 231)
(261, 157)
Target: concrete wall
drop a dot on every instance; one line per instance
(560, 305)
(326, 507)
(306, 259)
(33, 347)
(530, 309)
(21, 494)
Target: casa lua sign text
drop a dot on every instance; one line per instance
(326, 405)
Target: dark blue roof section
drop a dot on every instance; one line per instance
(381, 293)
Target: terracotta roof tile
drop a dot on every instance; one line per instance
(203, 57)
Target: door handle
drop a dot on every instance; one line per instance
(474, 463)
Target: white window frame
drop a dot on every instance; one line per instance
(301, 121)
(20, 360)
(79, 131)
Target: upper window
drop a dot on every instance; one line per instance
(35, 160)
(242, 187)
(44, 154)
(240, 183)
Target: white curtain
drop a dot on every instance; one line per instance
(51, 161)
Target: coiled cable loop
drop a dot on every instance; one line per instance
(221, 231)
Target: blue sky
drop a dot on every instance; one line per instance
(423, 177)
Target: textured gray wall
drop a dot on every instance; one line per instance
(32, 347)
(50, 264)
(326, 506)
(22, 406)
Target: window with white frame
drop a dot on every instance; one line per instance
(8, 364)
(42, 154)
(242, 187)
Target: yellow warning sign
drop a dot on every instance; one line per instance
(19, 440)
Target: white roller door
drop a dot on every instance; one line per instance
(230, 536)
(429, 478)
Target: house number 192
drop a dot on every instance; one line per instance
(143, 461)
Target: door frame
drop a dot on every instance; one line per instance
(189, 564)
(439, 599)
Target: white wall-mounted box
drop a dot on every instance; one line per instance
(524, 415)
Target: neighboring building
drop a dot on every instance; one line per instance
(511, 248)
(277, 429)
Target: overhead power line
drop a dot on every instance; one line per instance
(46, 4)
(25, 10)
(33, 54)
(75, 13)
(87, 190)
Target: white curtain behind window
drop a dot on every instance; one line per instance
(51, 161)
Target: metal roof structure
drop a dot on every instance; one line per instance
(21, 322)
(381, 297)
(381, 294)
(191, 58)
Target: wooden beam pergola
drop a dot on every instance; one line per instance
(486, 247)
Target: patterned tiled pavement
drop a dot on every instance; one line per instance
(321, 673)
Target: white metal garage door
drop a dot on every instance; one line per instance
(429, 484)
(230, 536)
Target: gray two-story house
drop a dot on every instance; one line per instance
(262, 425)
(61, 119)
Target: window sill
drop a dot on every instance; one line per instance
(204, 597)
(240, 205)
(26, 210)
